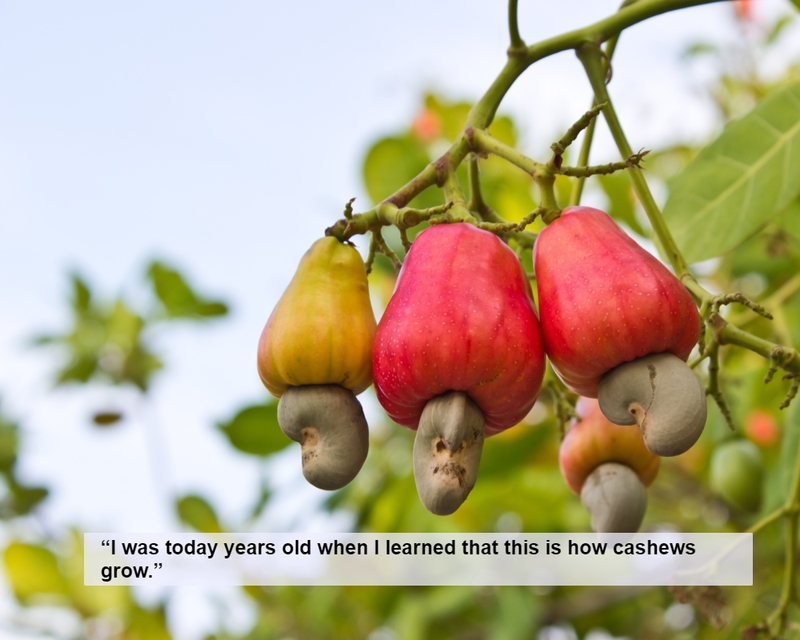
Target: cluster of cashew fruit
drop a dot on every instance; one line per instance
(459, 355)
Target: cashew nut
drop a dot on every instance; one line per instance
(447, 451)
(329, 424)
(662, 395)
(615, 498)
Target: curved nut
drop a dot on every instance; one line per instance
(615, 498)
(447, 451)
(329, 424)
(662, 395)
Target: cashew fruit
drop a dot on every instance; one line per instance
(315, 354)
(322, 328)
(593, 440)
(609, 467)
(737, 473)
(604, 301)
(461, 318)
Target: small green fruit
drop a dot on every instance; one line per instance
(737, 474)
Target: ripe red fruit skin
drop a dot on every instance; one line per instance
(603, 300)
(461, 319)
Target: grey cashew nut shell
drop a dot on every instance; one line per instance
(447, 451)
(661, 394)
(615, 498)
(329, 424)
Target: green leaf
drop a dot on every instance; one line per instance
(90, 602)
(453, 115)
(766, 254)
(107, 418)
(178, 297)
(740, 181)
(789, 219)
(505, 453)
(503, 129)
(255, 430)
(9, 444)
(81, 295)
(506, 188)
(516, 614)
(24, 498)
(148, 624)
(196, 512)
(778, 28)
(172, 290)
(123, 326)
(32, 571)
(211, 309)
(779, 478)
(391, 163)
(700, 48)
(139, 366)
(264, 496)
(80, 369)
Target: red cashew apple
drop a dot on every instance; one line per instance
(618, 326)
(457, 354)
(609, 466)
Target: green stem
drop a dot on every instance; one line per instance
(483, 112)
(583, 160)
(588, 137)
(517, 43)
(603, 169)
(592, 59)
(790, 583)
(386, 250)
(574, 131)
(484, 109)
(783, 357)
(542, 174)
(383, 215)
(767, 520)
(476, 202)
(789, 589)
(713, 384)
(483, 142)
(791, 510)
(454, 194)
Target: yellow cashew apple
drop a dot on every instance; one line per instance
(315, 354)
(322, 328)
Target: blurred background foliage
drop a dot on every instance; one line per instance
(111, 342)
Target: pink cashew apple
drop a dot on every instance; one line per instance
(458, 354)
(618, 326)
